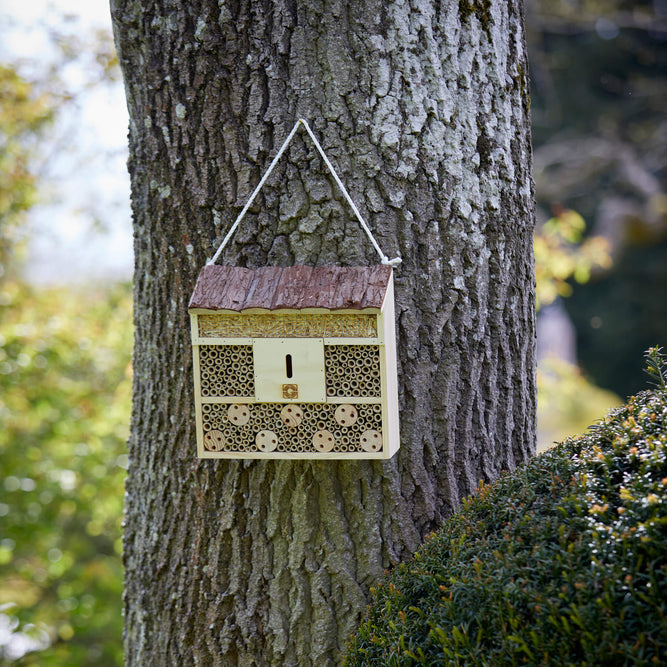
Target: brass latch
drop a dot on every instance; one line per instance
(290, 391)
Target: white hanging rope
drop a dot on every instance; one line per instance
(385, 260)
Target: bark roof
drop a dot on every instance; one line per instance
(273, 287)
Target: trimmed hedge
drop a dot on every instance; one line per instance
(563, 562)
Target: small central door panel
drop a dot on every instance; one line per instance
(289, 370)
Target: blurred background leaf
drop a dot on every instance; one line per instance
(24, 113)
(563, 255)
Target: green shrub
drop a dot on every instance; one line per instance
(562, 562)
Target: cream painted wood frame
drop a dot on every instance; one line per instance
(267, 415)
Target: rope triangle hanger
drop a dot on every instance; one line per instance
(385, 260)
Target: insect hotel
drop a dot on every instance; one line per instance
(295, 362)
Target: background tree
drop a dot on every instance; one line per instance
(600, 137)
(423, 107)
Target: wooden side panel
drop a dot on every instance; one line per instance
(194, 328)
(390, 389)
(201, 452)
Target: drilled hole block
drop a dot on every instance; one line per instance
(323, 441)
(371, 441)
(266, 441)
(291, 415)
(238, 414)
(214, 441)
(346, 415)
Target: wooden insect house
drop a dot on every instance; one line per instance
(295, 362)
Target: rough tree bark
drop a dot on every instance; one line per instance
(422, 105)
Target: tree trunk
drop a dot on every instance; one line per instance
(422, 106)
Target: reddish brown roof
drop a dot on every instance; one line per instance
(273, 287)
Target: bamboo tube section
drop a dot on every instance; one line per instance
(307, 428)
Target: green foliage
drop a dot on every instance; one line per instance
(563, 562)
(64, 388)
(562, 253)
(64, 406)
(23, 115)
(656, 366)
